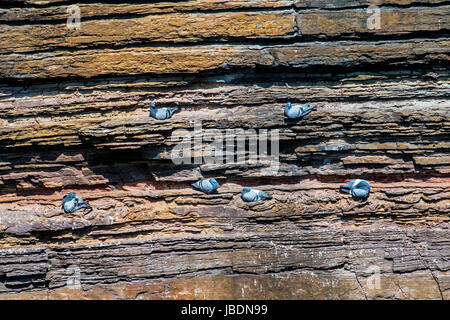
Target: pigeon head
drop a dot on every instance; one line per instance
(287, 109)
(214, 183)
(152, 106)
(363, 183)
(245, 190)
(357, 188)
(69, 196)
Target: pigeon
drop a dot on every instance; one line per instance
(252, 195)
(357, 188)
(71, 203)
(332, 148)
(207, 186)
(297, 111)
(161, 113)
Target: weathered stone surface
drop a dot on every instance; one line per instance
(354, 22)
(303, 256)
(74, 117)
(162, 28)
(190, 27)
(168, 60)
(34, 11)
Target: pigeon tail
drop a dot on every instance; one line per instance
(265, 196)
(171, 111)
(84, 205)
(346, 188)
(195, 184)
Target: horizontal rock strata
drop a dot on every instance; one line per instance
(75, 117)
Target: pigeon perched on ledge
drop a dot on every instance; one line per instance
(297, 111)
(253, 195)
(357, 188)
(161, 113)
(207, 185)
(333, 148)
(71, 203)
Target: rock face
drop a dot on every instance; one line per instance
(74, 117)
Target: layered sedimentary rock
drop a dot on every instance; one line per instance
(74, 117)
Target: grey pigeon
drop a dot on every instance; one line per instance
(252, 195)
(297, 111)
(357, 188)
(161, 113)
(207, 185)
(71, 203)
(332, 148)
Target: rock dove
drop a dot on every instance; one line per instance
(357, 188)
(297, 111)
(71, 203)
(161, 113)
(251, 195)
(207, 186)
(332, 148)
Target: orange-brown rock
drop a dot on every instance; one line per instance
(168, 60)
(74, 117)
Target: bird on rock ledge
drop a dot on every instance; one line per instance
(357, 188)
(253, 195)
(297, 111)
(71, 203)
(161, 113)
(207, 185)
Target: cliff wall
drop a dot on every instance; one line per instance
(74, 117)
